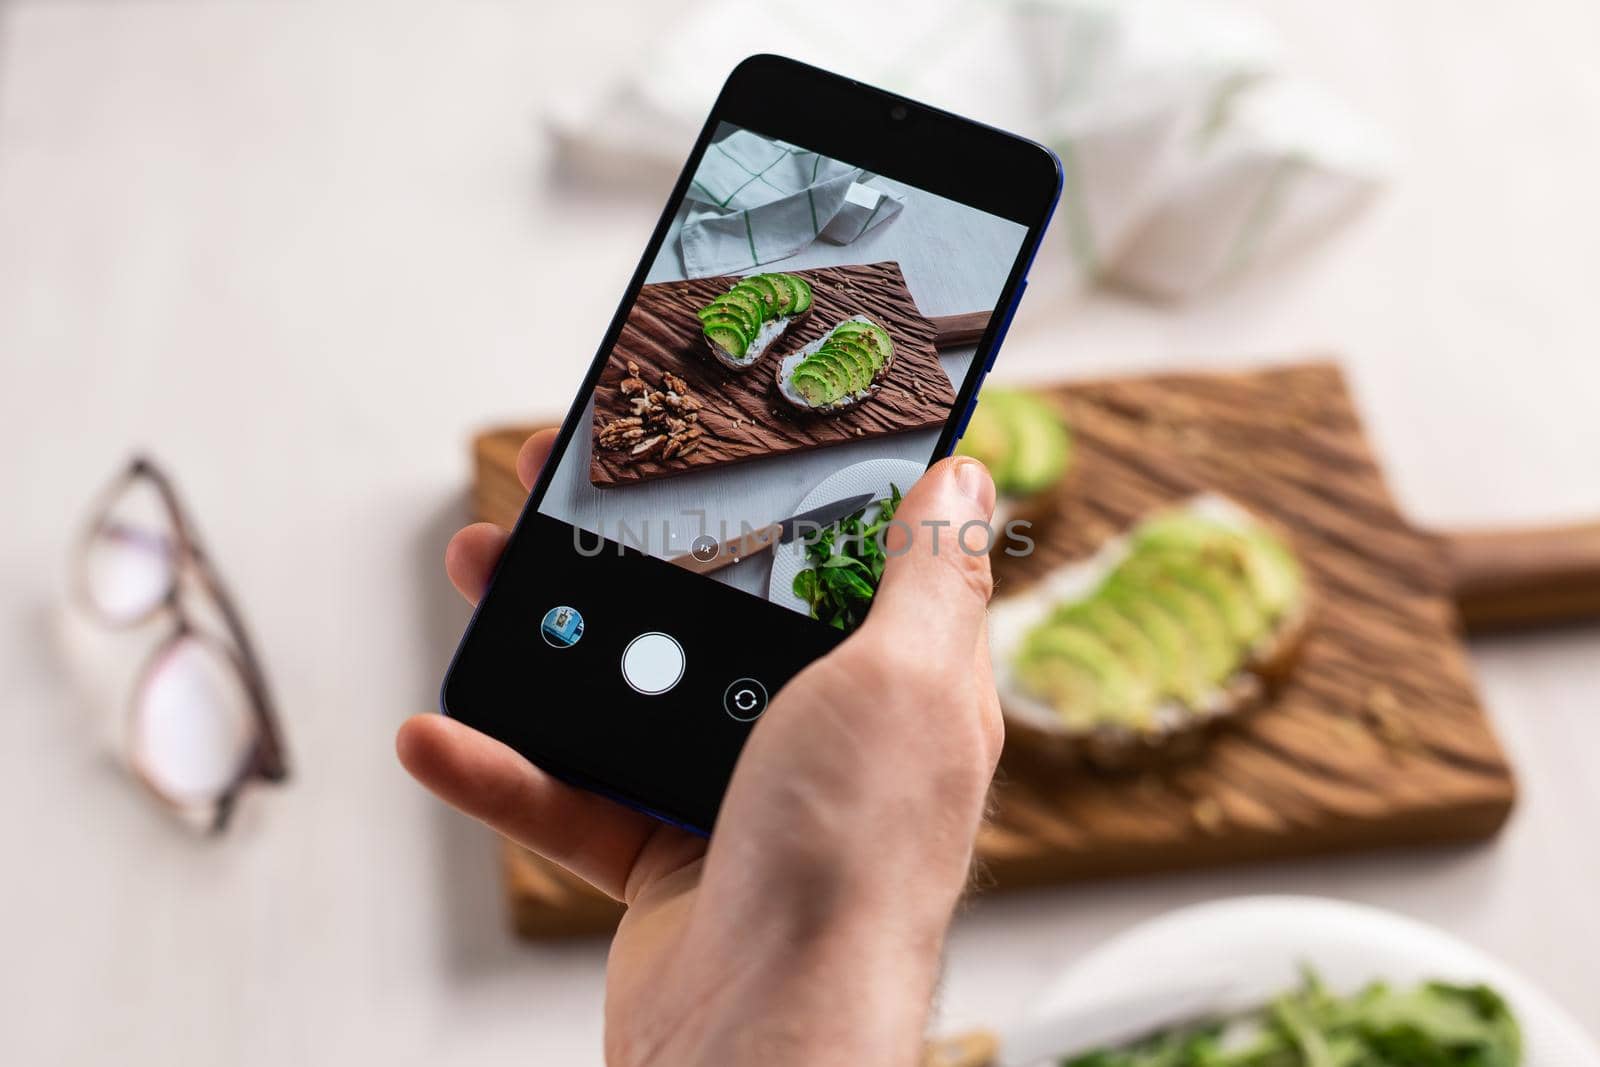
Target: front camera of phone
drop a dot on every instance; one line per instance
(897, 112)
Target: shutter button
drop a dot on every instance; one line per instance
(652, 663)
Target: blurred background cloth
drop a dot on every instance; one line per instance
(1189, 154)
(754, 200)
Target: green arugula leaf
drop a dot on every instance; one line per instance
(1432, 1025)
(846, 563)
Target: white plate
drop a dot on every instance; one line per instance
(1258, 944)
(873, 476)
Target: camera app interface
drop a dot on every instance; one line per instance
(783, 377)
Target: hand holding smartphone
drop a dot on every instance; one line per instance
(806, 332)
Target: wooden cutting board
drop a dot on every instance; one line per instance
(743, 417)
(1378, 739)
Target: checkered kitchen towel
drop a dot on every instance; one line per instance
(756, 200)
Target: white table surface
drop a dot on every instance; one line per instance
(303, 251)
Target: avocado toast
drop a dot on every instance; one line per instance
(1182, 621)
(839, 369)
(741, 324)
(1024, 440)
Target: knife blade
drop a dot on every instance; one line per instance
(708, 556)
(819, 517)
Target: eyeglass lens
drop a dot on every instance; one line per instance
(192, 731)
(129, 564)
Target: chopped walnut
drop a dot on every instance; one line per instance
(648, 447)
(660, 423)
(682, 442)
(683, 404)
(619, 432)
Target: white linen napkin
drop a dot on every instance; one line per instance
(1189, 155)
(754, 200)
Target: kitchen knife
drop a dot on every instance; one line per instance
(707, 555)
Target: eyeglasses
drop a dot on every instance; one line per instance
(200, 723)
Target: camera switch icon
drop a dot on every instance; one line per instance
(745, 699)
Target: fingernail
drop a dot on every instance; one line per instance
(972, 478)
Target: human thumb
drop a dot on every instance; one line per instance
(936, 581)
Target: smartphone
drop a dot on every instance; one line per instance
(805, 334)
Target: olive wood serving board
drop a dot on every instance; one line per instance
(743, 416)
(1378, 737)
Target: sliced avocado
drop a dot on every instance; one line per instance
(1101, 617)
(866, 344)
(1040, 445)
(840, 367)
(728, 339)
(745, 290)
(816, 386)
(747, 304)
(802, 293)
(1119, 693)
(1071, 689)
(719, 309)
(1022, 439)
(1182, 528)
(1217, 576)
(813, 386)
(798, 290)
(1182, 676)
(769, 293)
(1175, 621)
(726, 320)
(1203, 625)
(1199, 537)
(882, 350)
(1268, 567)
(785, 295)
(1275, 573)
(858, 355)
(988, 440)
(757, 297)
(872, 334)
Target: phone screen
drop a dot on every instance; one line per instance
(803, 342)
(787, 356)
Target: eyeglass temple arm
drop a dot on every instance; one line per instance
(223, 813)
(270, 760)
